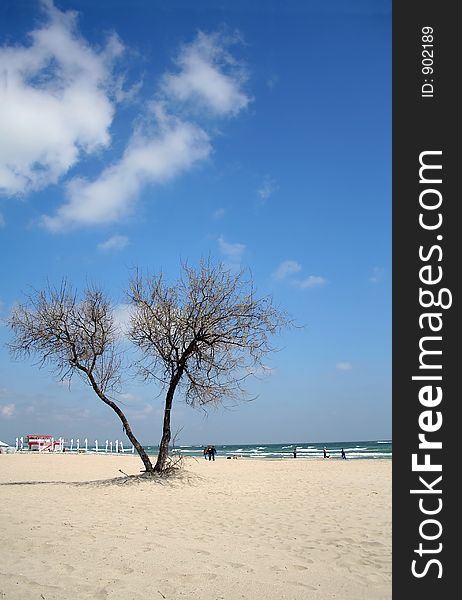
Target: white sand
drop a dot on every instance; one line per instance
(226, 530)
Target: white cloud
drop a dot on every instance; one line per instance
(164, 146)
(150, 157)
(58, 98)
(138, 413)
(135, 407)
(115, 242)
(208, 76)
(289, 267)
(219, 213)
(377, 275)
(286, 268)
(267, 188)
(122, 315)
(55, 97)
(232, 251)
(7, 410)
(272, 81)
(344, 366)
(312, 281)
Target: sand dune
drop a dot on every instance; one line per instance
(223, 530)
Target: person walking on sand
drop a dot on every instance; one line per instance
(295, 451)
(343, 454)
(206, 451)
(212, 452)
(325, 452)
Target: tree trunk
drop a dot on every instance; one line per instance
(166, 434)
(127, 429)
(166, 431)
(138, 447)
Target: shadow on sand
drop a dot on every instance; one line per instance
(170, 478)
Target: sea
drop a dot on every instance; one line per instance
(372, 450)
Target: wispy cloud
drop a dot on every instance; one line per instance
(344, 366)
(232, 252)
(311, 282)
(135, 406)
(115, 242)
(286, 268)
(267, 188)
(7, 410)
(272, 81)
(208, 76)
(139, 412)
(175, 146)
(122, 315)
(377, 275)
(219, 213)
(56, 102)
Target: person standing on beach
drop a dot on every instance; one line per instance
(295, 451)
(343, 454)
(325, 452)
(206, 451)
(213, 451)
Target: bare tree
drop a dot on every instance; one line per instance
(203, 335)
(74, 337)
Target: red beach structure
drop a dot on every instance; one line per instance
(42, 443)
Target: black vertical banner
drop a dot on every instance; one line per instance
(427, 252)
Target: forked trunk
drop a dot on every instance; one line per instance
(166, 434)
(166, 430)
(127, 429)
(138, 447)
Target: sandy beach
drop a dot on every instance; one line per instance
(223, 530)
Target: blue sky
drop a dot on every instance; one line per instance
(146, 133)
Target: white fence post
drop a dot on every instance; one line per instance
(133, 449)
(78, 444)
(72, 444)
(96, 445)
(17, 444)
(117, 446)
(107, 443)
(86, 444)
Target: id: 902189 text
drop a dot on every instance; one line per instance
(427, 62)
